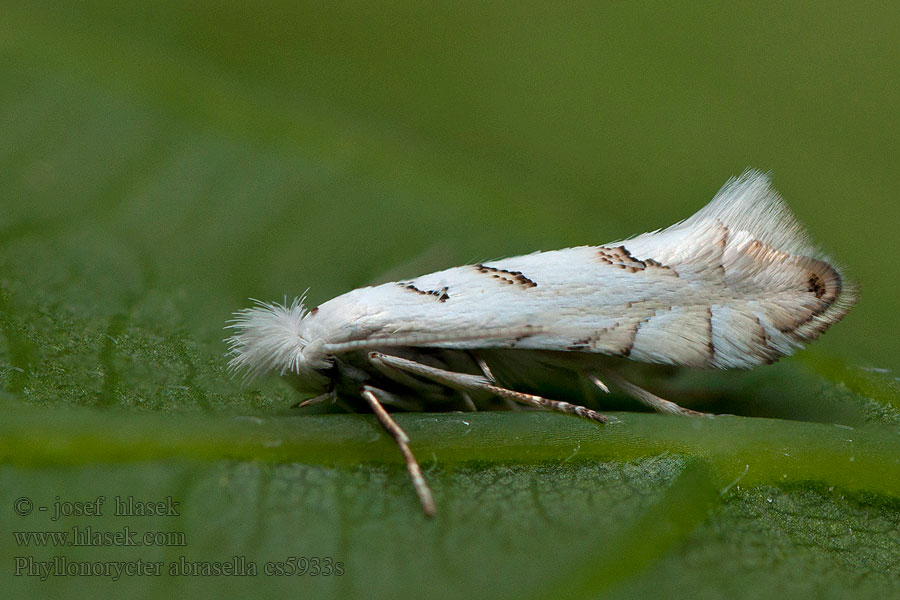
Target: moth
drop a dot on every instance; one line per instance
(736, 285)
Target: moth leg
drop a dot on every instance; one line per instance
(652, 400)
(401, 377)
(596, 381)
(588, 383)
(482, 364)
(389, 399)
(415, 472)
(464, 381)
(467, 401)
(316, 400)
(541, 402)
(414, 384)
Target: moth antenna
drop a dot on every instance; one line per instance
(369, 394)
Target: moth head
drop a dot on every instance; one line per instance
(274, 337)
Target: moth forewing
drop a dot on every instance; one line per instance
(738, 284)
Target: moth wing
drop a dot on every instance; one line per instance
(738, 284)
(765, 289)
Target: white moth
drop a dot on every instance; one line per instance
(736, 285)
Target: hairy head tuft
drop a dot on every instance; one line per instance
(269, 337)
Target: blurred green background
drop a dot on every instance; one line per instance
(161, 163)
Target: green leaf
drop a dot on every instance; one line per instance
(161, 163)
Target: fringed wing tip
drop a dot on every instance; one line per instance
(750, 203)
